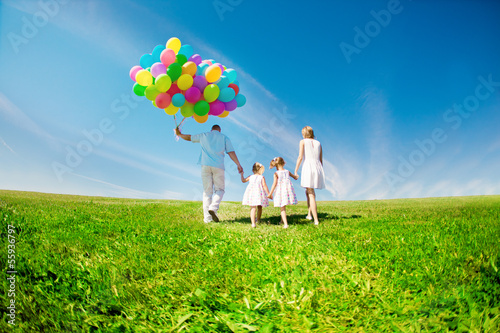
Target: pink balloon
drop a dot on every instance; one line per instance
(167, 57)
(231, 105)
(216, 108)
(193, 95)
(196, 58)
(208, 62)
(200, 82)
(158, 68)
(163, 100)
(133, 72)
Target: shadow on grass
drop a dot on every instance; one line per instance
(297, 219)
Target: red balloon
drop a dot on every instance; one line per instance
(173, 89)
(235, 88)
(163, 100)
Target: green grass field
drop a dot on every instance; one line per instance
(120, 265)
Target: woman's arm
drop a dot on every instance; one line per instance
(321, 154)
(293, 176)
(301, 156)
(264, 185)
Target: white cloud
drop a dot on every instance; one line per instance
(14, 115)
(2, 141)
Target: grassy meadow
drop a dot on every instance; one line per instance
(92, 264)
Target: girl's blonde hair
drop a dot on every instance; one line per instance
(276, 161)
(308, 132)
(257, 167)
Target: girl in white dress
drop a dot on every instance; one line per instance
(256, 193)
(285, 194)
(312, 175)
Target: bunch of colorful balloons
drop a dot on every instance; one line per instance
(174, 79)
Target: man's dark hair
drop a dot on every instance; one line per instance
(216, 127)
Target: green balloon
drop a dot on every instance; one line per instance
(163, 82)
(201, 108)
(139, 90)
(181, 59)
(151, 92)
(174, 71)
(187, 110)
(211, 93)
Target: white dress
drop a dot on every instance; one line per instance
(284, 193)
(312, 175)
(255, 194)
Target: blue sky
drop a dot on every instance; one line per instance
(404, 95)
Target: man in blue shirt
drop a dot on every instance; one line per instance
(213, 146)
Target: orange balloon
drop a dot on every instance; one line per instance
(213, 73)
(200, 119)
(189, 68)
(224, 114)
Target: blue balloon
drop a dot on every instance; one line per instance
(178, 100)
(157, 52)
(240, 99)
(231, 74)
(236, 82)
(223, 82)
(202, 68)
(186, 50)
(226, 95)
(147, 60)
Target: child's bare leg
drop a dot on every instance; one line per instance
(252, 216)
(283, 217)
(259, 213)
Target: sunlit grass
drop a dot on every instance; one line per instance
(102, 264)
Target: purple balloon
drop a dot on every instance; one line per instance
(192, 95)
(200, 82)
(216, 108)
(231, 105)
(158, 68)
(196, 58)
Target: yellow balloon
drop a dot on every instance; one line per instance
(185, 81)
(189, 68)
(174, 43)
(200, 119)
(144, 78)
(213, 73)
(171, 110)
(224, 114)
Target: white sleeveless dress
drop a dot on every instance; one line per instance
(255, 194)
(284, 193)
(313, 175)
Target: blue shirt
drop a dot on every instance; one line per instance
(213, 146)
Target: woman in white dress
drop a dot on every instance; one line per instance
(312, 175)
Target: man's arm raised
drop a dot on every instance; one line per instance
(186, 137)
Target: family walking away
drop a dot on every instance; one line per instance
(214, 146)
